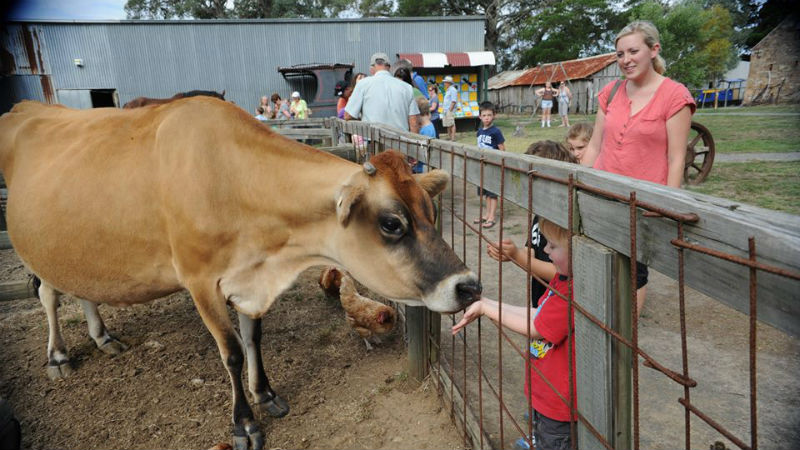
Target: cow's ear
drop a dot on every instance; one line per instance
(350, 193)
(433, 182)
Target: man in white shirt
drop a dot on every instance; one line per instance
(383, 98)
(449, 104)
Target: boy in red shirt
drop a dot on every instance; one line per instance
(549, 349)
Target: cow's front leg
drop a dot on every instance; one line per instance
(263, 395)
(97, 330)
(211, 305)
(58, 365)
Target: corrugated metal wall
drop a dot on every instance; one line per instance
(160, 58)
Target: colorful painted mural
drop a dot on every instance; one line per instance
(467, 85)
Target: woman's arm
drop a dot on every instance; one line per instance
(539, 92)
(592, 150)
(677, 134)
(515, 318)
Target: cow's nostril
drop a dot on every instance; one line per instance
(469, 291)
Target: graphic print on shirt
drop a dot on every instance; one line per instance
(536, 236)
(485, 141)
(541, 346)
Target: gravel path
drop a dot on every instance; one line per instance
(748, 157)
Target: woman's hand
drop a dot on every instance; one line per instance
(472, 312)
(508, 250)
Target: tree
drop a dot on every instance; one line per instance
(241, 9)
(718, 50)
(567, 30)
(503, 18)
(771, 13)
(692, 40)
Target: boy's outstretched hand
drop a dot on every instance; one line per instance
(508, 247)
(472, 312)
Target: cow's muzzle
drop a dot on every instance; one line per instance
(468, 292)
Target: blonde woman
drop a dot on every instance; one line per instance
(643, 122)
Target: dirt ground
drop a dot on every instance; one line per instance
(170, 390)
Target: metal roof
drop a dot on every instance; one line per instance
(575, 69)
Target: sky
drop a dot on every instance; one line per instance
(69, 9)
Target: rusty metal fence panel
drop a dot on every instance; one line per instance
(744, 258)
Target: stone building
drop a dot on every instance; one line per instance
(774, 70)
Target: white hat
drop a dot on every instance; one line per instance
(295, 94)
(447, 79)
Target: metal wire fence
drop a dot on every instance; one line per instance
(744, 259)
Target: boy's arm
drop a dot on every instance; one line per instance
(501, 147)
(515, 318)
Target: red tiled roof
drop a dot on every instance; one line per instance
(575, 69)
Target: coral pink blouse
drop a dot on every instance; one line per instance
(636, 146)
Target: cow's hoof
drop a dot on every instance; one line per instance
(275, 407)
(113, 346)
(252, 440)
(59, 370)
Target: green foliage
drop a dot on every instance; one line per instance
(567, 30)
(241, 9)
(695, 41)
(420, 8)
(771, 13)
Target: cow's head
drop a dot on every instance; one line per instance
(388, 239)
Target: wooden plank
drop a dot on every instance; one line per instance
(593, 292)
(15, 290)
(472, 427)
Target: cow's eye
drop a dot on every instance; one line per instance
(391, 226)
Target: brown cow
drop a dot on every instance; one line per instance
(138, 102)
(125, 206)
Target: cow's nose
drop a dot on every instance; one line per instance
(469, 292)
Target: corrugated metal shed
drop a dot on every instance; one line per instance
(513, 91)
(160, 58)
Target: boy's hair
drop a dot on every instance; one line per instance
(260, 110)
(581, 130)
(424, 106)
(486, 106)
(551, 150)
(275, 97)
(553, 232)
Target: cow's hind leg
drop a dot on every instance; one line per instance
(211, 305)
(97, 330)
(265, 398)
(58, 365)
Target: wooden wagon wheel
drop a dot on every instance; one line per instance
(699, 154)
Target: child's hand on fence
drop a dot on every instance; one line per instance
(507, 246)
(472, 312)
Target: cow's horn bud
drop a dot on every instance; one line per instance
(369, 168)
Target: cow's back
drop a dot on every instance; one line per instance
(83, 200)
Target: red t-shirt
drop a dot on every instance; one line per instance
(550, 355)
(636, 146)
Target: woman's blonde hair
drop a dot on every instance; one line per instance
(651, 38)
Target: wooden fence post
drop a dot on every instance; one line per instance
(593, 292)
(416, 331)
(622, 356)
(603, 365)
